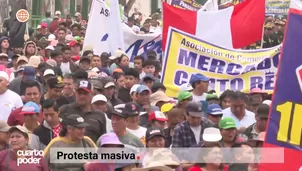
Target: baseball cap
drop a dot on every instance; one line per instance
(29, 72)
(211, 135)
(97, 83)
(51, 37)
(214, 109)
(134, 88)
(185, 87)
(263, 111)
(198, 77)
(49, 47)
(117, 54)
(34, 61)
(154, 131)
(58, 13)
(18, 128)
(49, 72)
(44, 24)
(130, 109)
(109, 84)
(195, 109)
(227, 123)
(148, 76)
(4, 127)
(20, 68)
(55, 82)
(85, 59)
(110, 139)
(268, 102)
(38, 26)
(159, 96)
(3, 55)
(98, 97)
(212, 97)
(183, 95)
(142, 88)
(74, 43)
(4, 75)
(77, 14)
(75, 120)
(22, 58)
(157, 116)
(51, 62)
(85, 85)
(166, 107)
(30, 108)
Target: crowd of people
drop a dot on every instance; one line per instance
(55, 94)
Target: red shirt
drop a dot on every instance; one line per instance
(56, 130)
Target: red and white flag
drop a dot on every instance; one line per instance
(233, 27)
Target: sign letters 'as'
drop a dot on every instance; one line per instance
(105, 12)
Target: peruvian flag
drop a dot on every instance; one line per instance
(233, 27)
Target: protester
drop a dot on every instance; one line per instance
(4, 135)
(214, 113)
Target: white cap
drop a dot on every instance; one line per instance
(119, 107)
(58, 13)
(117, 54)
(98, 97)
(39, 26)
(51, 37)
(109, 84)
(95, 69)
(211, 135)
(49, 72)
(4, 75)
(185, 87)
(133, 88)
(268, 102)
(49, 47)
(77, 14)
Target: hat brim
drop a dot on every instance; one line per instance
(27, 113)
(59, 86)
(216, 113)
(155, 135)
(229, 127)
(211, 137)
(81, 125)
(113, 57)
(29, 77)
(5, 129)
(14, 128)
(110, 84)
(85, 89)
(148, 78)
(196, 114)
(118, 114)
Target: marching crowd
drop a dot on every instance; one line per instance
(55, 94)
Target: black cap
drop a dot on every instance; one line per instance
(55, 82)
(75, 120)
(263, 111)
(85, 85)
(80, 75)
(97, 83)
(118, 113)
(154, 131)
(131, 109)
(195, 109)
(85, 59)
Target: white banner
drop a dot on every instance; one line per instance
(103, 38)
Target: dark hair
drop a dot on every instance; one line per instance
(207, 147)
(70, 76)
(54, 54)
(225, 94)
(43, 66)
(237, 95)
(104, 56)
(62, 29)
(63, 24)
(120, 58)
(158, 86)
(234, 148)
(117, 75)
(47, 14)
(194, 84)
(63, 131)
(31, 84)
(76, 25)
(157, 66)
(86, 52)
(149, 62)
(58, 71)
(139, 58)
(65, 48)
(132, 72)
(48, 103)
(96, 56)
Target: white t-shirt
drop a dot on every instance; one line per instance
(108, 124)
(65, 67)
(9, 101)
(246, 121)
(200, 98)
(196, 131)
(135, 28)
(155, 29)
(140, 132)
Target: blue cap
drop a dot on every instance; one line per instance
(214, 109)
(198, 77)
(29, 72)
(30, 108)
(142, 88)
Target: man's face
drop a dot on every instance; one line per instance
(238, 107)
(194, 121)
(68, 86)
(3, 85)
(67, 54)
(32, 94)
(85, 65)
(75, 49)
(246, 154)
(51, 116)
(5, 44)
(105, 63)
(76, 31)
(100, 106)
(202, 86)
(228, 135)
(83, 97)
(77, 133)
(17, 50)
(261, 123)
(159, 124)
(150, 69)
(130, 81)
(96, 62)
(149, 83)
(58, 59)
(3, 60)
(156, 142)
(30, 119)
(61, 35)
(4, 137)
(55, 92)
(214, 118)
(108, 92)
(154, 22)
(30, 49)
(225, 103)
(138, 64)
(118, 123)
(143, 97)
